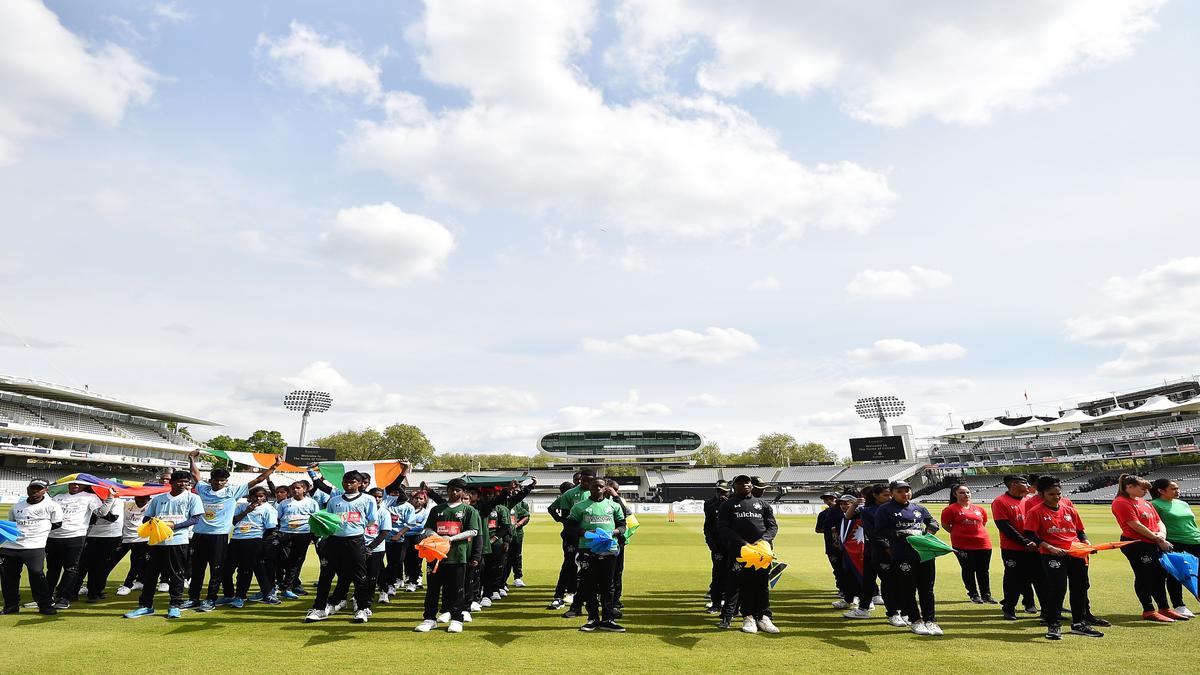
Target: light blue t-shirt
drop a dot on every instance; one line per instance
(293, 514)
(401, 515)
(254, 525)
(356, 514)
(175, 510)
(218, 507)
(416, 523)
(385, 525)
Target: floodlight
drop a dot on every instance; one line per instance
(879, 408)
(307, 401)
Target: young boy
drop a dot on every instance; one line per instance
(294, 537)
(65, 544)
(180, 509)
(253, 523)
(35, 516)
(568, 575)
(103, 540)
(519, 516)
(745, 519)
(137, 547)
(597, 568)
(458, 522)
(345, 551)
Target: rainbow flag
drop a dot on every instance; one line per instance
(102, 486)
(382, 472)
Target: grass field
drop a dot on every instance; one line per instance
(665, 578)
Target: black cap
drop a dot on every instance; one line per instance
(848, 498)
(758, 482)
(723, 485)
(741, 478)
(898, 484)
(829, 495)
(456, 483)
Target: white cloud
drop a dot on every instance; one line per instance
(382, 244)
(314, 63)
(51, 75)
(947, 385)
(536, 138)
(481, 399)
(901, 351)
(714, 345)
(634, 260)
(863, 386)
(706, 401)
(633, 406)
(896, 283)
(889, 64)
(1153, 318)
(765, 284)
(170, 12)
(832, 419)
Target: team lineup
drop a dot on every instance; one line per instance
(204, 544)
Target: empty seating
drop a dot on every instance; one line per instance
(808, 474)
(19, 414)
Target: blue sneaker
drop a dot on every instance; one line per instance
(237, 603)
(299, 590)
(223, 601)
(189, 604)
(139, 613)
(206, 606)
(272, 600)
(257, 597)
(290, 595)
(174, 613)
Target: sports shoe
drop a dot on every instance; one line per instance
(48, 610)
(614, 627)
(975, 599)
(83, 590)
(1157, 617)
(857, 613)
(933, 628)
(221, 602)
(454, 627)
(519, 583)
(467, 617)
(315, 615)
(1092, 620)
(425, 626)
(174, 612)
(1169, 613)
(190, 604)
(290, 595)
(503, 593)
(897, 621)
(139, 612)
(840, 604)
(877, 600)
(485, 602)
(272, 599)
(1053, 632)
(590, 626)
(237, 603)
(298, 589)
(361, 616)
(1183, 610)
(570, 614)
(163, 587)
(765, 625)
(494, 596)
(749, 625)
(444, 617)
(1009, 615)
(411, 588)
(206, 606)
(990, 600)
(383, 598)
(568, 598)
(1031, 609)
(337, 607)
(124, 590)
(712, 609)
(62, 604)
(476, 607)
(29, 605)
(725, 623)
(555, 603)
(919, 628)
(137, 586)
(257, 597)
(1085, 630)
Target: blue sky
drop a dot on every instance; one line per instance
(495, 222)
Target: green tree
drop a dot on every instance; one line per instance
(779, 449)
(270, 442)
(398, 441)
(709, 454)
(455, 461)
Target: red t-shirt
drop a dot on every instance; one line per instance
(1008, 507)
(1035, 499)
(1126, 509)
(967, 527)
(1057, 527)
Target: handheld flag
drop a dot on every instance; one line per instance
(324, 523)
(928, 546)
(155, 531)
(775, 572)
(9, 531)
(1081, 550)
(757, 555)
(631, 526)
(601, 541)
(1183, 567)
(433, 549)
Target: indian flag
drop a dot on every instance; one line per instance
(382, 473)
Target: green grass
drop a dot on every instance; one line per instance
(665, 578)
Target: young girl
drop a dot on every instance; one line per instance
(1140, 524)
(253, 522)
(972, 545)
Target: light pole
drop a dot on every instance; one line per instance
(307, 401)
(880, 408)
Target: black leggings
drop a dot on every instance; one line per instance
(513, 559)
(96, 562)
(293, 549)
(974, 564)
(494, 566)
(1149, 577)
(1061, 572)
(62, 566)
(344, 557)
(241, 557)
(1023, 577)
(412, 561)
(596, 584)
(1174, 588)
(568, 574)
(394, 570)
(913, 581)
(139, 553)
(208, 553)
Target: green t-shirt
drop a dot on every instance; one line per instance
(593, 515)
(449, 520)
(567, 500)
(1179, 519)
(519, 511)
(484, 531)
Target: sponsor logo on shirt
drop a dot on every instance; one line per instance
(352, 517)
(449, 527)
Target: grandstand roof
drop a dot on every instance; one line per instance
(65, 394)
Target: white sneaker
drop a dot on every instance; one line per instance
(411, 588)
(933, 628)
(315, 615)
(877, 600)
(897, 621)
(466, 617)
(137, 586)
(338, 607)
(749, 625)
(485, 602)
(426, 626)
(857, 613)
(1185, 612)
(519, 583)
(164, 587)
(124, 590)
(383, 598)
(476, 607)
(502, 593)
(83, 590)
(444, 617)
(871, 605)
(568, 598)
(840, 604)
(765, 625)
(362, 615)
(919, 628)
(454, 627)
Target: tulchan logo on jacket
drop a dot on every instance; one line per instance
(758, 505)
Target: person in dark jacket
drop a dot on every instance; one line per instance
(832, 554)
(912, 579)
(720, 570)
(741, 520)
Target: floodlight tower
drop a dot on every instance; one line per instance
(879, 408)
(307, 401)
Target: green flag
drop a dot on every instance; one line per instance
(928, 546)
(324, 523)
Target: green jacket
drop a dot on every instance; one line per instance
(519, 511)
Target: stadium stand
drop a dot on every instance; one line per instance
(19, 414)
(809, 474)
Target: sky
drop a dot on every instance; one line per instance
(495, 220)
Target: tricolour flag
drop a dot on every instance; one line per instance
(382, 472)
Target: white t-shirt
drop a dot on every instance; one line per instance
(132, 518)
(33, 520)
(103, 528)
(77, 513)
